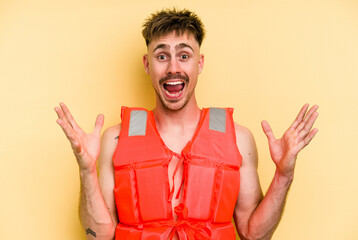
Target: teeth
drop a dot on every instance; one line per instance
(174, 83)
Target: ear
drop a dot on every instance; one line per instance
(146, 63)
(201, 62)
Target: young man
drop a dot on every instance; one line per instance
(175, 172)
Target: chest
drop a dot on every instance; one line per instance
(175, 177)
(176, 143)
(156, 171)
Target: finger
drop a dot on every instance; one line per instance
(300, 116)
(268, 131)
(98, 125)
(76, 146)
(69, 116)
(308, 125)
(306, 118)
(307, 139)
(312, 110)
(68, 131)
(60, 114)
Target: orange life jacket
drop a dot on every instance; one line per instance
(211, 179)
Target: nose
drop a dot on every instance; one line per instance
(173, 67)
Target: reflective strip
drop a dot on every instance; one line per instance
(217, 119)
(137, 123)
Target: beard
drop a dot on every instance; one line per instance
(173, 105)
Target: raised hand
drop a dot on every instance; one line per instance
(85, 146)
(284, 151)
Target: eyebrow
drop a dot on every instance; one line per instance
(163, 46)
(177, 47)
(183, 45)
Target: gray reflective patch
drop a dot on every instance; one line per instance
(217, 119)
(137, 123)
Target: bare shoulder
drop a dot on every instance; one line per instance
(242, 132)
(109, 143)
(246, 144)
(112, 132)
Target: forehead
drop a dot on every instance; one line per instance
(173, 40)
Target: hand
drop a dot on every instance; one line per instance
(284, 151)
(85, 146)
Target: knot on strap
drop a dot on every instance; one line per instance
(189, 230)
(181, 211)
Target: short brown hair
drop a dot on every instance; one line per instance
(169, 20)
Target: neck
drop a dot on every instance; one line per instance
(187, 117)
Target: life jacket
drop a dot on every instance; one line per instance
(211, 179)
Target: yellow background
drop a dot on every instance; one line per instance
(264, 58)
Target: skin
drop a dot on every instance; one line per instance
(173, 55)
(256, 216)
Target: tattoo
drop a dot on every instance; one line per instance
(90, 231)
(116, 137)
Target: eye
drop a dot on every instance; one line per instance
(162, 57)
(184, 56)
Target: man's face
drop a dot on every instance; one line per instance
(174, 63)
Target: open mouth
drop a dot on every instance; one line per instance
(173, 88)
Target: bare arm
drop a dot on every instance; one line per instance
(106, 169)
(256, 218)
(94, 214)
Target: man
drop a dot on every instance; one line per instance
(175, 172)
